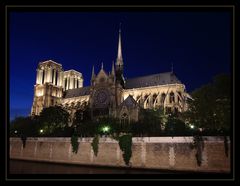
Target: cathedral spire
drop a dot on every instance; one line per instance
(102, 66)
(119, 56)
(113, 70)
(119, 62)
(93, 73)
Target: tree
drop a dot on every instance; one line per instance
(53, 119)
(211, 107)
(150, 121)
(175, 126)
(26, 126)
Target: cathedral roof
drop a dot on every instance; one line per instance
(152, 80)
(129, 102)
(83, 91)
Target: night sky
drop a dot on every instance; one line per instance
(197, 43)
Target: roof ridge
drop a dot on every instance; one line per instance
(151, 75)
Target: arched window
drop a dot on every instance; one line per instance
(171, 99)
(179, 96)
(124, 118)
(145, 97)
(163, 96)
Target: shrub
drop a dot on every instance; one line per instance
(75, 143)
(94, 144)
(125, 144)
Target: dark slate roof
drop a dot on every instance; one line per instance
(129, 102)
(152, 80)
(77, 92)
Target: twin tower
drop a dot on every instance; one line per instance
(51, 82)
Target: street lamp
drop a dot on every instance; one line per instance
(192, 126)
(15, 131)
(41, 131)
(106, 129)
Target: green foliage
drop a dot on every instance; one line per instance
(26, 126)
(198, 144)
(226, 145)
(75, 143)
(81, 116)
(94, 144)
(150, 123)
(211, 108)
(87, 128)
(53, 118)
(175, 126)
(125, 144)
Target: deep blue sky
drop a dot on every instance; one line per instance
(197, 43)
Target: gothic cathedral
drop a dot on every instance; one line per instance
(109, 94)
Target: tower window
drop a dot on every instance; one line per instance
(65, 83)
(53, 75)
(56, 78)
(43, 76)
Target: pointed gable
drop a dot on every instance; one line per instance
(129, 102)
(102, 76)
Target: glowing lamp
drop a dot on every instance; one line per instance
(106, 129)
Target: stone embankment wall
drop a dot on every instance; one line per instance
(148, 152)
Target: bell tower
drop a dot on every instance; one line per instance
(48, 90)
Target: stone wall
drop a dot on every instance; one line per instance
(148, 152)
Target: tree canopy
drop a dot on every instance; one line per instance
(53, 118)
(211, 107)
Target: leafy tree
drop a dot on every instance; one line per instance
(175, 126)
(94, 144)
(53, 118)
(74, 142)
(150, 122)
(24, 126)
(81, 116)
(125, 144)
(211, 107)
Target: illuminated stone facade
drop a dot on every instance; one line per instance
(109, 94)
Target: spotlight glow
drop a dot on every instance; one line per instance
(192, 126)
(106, 129)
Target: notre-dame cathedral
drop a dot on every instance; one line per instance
(109, 94)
